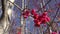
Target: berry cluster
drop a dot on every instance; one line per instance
(38, 19)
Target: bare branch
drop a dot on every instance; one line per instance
(16, 5)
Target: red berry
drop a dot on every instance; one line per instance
(25, 16)
(53, 33)
(23, 13)
(26, 13)
(39, 17)
(19, 33)
(35, 16)
(33, 12)
(44, 19)
(45, 13)
(48, 19)
(36, 23)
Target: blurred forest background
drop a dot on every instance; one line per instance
(13, 20)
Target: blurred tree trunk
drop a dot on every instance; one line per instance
(4, 13)
(4, 20)
(9, 12)
(22, 20)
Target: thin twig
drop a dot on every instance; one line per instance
(16, 5)
(55, 15)
(45, 4)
